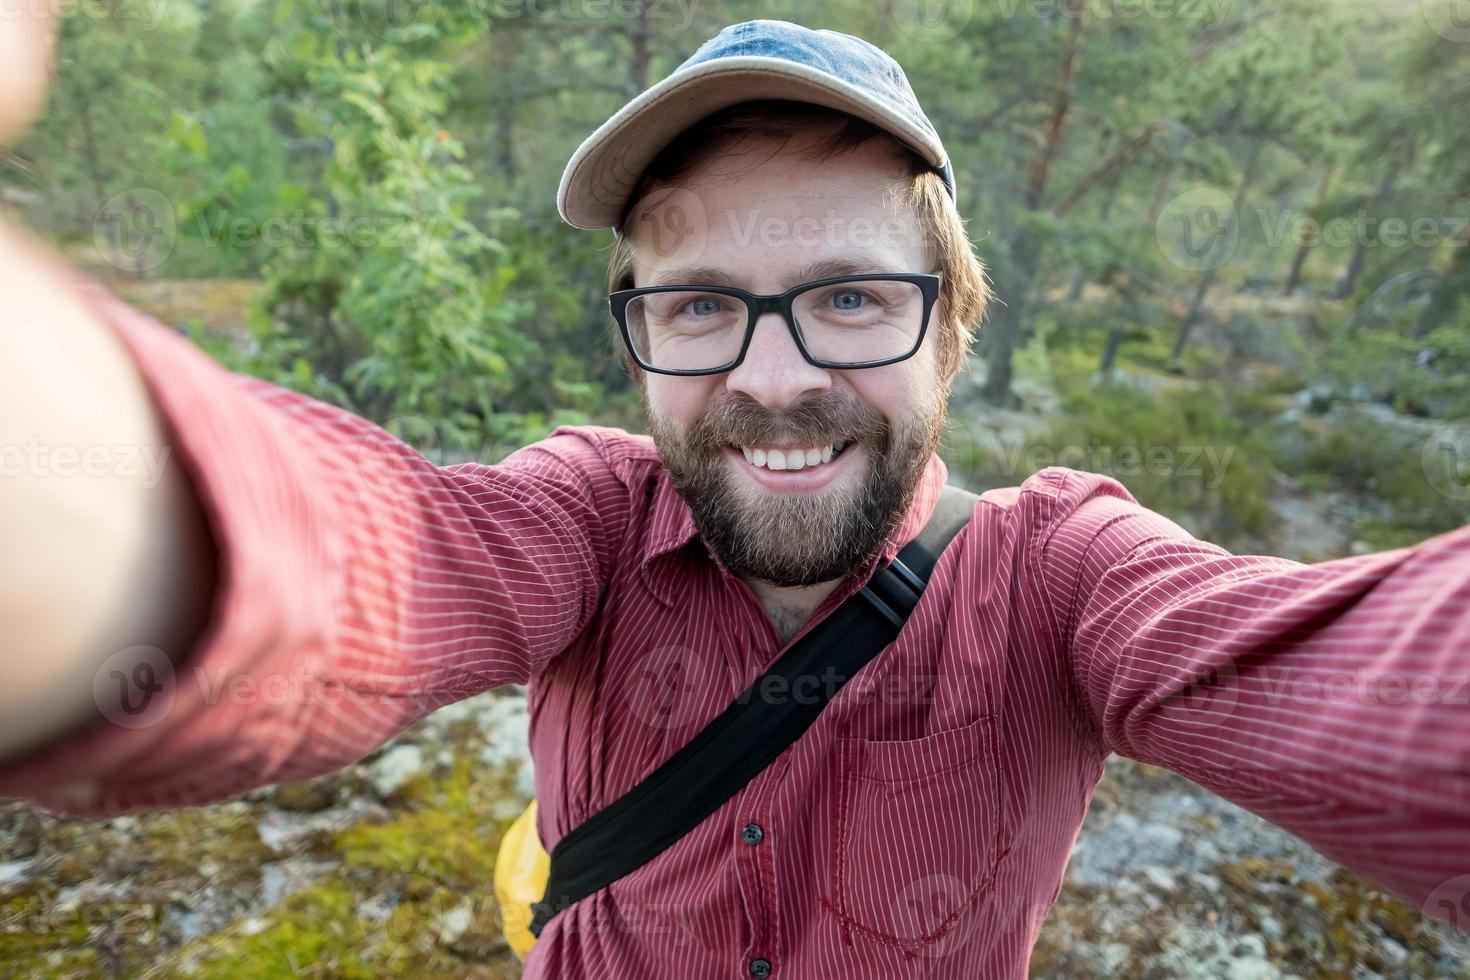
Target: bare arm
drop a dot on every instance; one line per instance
(104, 545)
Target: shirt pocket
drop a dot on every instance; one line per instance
(918, 832)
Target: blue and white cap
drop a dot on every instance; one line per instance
(759, 59)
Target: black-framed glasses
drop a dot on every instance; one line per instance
(845, 323)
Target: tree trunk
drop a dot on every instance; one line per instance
(1161, 191)
(1453, 287)
(1304, 247)
(641, 55)
(1005, 328)
(1349, 280)
(1057, 126)
(92, 155)
(506, 45)
(1197, 304)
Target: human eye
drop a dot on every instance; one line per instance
(704, 306)
(850, 300)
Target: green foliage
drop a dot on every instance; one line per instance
(387, 297)
(389, 171)
(1416, 374)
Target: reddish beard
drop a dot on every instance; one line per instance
(797, 539)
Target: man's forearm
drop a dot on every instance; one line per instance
(104, 543)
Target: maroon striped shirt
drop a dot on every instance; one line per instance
(922, 826)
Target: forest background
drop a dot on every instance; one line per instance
(1230, 249)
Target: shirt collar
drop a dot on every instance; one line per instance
(671, 525)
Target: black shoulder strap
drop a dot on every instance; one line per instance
(759, 725)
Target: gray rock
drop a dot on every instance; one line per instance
(395, 768)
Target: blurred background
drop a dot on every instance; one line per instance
(1230, 249)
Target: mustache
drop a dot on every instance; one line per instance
(832, 416)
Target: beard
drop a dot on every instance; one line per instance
(798, 538)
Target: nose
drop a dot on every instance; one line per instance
(774, 373)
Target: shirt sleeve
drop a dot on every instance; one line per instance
(360, 586)
(1332, 699)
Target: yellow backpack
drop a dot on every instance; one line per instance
(521, 869)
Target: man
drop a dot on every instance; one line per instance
(922, 825)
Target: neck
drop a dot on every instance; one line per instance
(790, 606)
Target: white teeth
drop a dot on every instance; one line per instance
(791, 459)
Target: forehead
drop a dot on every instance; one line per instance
(766, 214)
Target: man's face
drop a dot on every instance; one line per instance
(783, 221)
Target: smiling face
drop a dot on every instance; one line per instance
(795, 473)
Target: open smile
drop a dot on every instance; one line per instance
(795, 468)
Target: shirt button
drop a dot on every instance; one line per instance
(760, 968)
(752, 834)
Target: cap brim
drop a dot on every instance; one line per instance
(603, 172)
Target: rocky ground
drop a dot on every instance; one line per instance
(384, 869)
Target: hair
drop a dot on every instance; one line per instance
(963, 290)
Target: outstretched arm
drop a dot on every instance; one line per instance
(1332, 699)
(272, 587)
